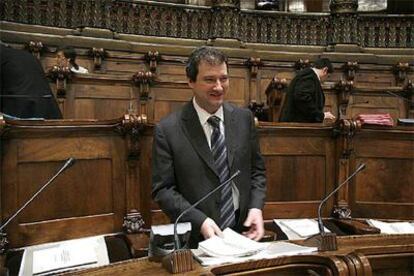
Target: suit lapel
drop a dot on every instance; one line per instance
(195, 134)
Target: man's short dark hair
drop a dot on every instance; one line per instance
(322, 63)
(206, 54)
(69, 53)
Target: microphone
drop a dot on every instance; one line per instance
(67, 164)
(177, 244)
(320, 223)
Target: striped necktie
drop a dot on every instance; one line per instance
(218, 149)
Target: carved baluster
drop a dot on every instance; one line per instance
(400, 71)
(98, 55)
(345, 88)
(275, 98)
(152, 58)
(349, 69)
(35, 48)
(143, 80)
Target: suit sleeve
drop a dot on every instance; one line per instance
(304, 94)
(258, 177)
(164, 188)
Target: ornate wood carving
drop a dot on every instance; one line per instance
(4, 243)
(223, 20)
(345, 88)
(275, 96)
(254, 64)
(98, 55)
(143, 80)
(132, 125)
(60, 74)
(347, 130)
(350, 69)
(134, 223)
(258, 111)
(400, 70)
(152, 58)
(409, 95)
(302, 64)
(35, 47)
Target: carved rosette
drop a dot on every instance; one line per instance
(302, 64)
(345, 88)
(343, 6)
(143, 80)
(133, 223)
(152, 58)
(350, 69)
(400, 71)
(60, 74)
(98, 55)
(347, 129)
(254, 64)
(35, 47)
(274, 96)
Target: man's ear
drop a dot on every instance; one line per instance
(190, 83)
(325, 71)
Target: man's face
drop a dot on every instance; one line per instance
(324, 74)
(61, 60)
(210, 86)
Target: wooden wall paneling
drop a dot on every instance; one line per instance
(87, 199)
(304, 158)
(385, 188)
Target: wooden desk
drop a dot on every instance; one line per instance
(356, 255)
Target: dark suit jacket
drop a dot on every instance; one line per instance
(25, 91)
(183, 166)
(305, 99)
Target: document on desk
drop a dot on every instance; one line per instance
(271, 250)
(232, 244)
(296, 229)
(404, 227)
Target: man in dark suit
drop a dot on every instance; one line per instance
(188, 163)
(305, 99)
(25, 91)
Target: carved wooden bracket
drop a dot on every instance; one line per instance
(35, 47)
(254, 64)
(134, 223)
(143, 80)
(345, 88)
(152, 57)
(258, 110)
(341, 212)
(132, 125)
(98, 55)
(409, 95)
(350, 69)
(302, 64)
(275, 96)
(400, 71)
(60, 74)
(4, 243)
(347, 129)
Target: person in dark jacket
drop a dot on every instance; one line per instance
(305, 99)
(25, 91)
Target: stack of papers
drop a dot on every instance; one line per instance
(393, 227)
(232, 244)
(297, 229)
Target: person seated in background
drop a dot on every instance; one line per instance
(25, 91)
(305, 99)
(66, 56)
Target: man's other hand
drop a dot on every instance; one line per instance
(254, 221)
(329, 116)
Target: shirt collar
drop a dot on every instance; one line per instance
(203, 115)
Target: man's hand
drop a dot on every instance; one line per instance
(329, 116)
(209, 228)
(254, 220)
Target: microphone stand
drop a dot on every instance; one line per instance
(181, 260)
(327, 241)
(3, 236)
